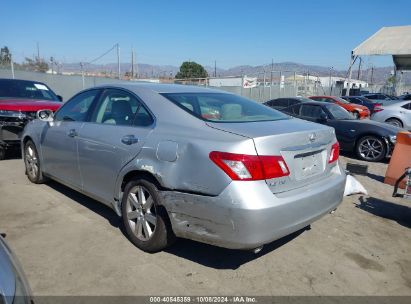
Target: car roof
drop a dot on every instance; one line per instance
(315, 103)
(161, 87)
(10, 79)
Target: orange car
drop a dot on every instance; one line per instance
(358, 111)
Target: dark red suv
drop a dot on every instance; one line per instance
(19, 102)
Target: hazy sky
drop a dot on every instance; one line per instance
(169, 32)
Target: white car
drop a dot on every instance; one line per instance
(397, 114)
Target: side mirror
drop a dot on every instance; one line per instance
(323, 118)
(60, 97)
(45, 115)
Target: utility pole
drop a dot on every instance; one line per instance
(82, 72)
(132, 63)
(215, 68)
(118, 61)
(329, 81)
(359, 69)
(372, 74)
(38, 52)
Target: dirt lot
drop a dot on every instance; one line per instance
(72, 245)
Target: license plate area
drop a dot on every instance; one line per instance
(308, 164)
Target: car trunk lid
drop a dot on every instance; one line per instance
(304, 146)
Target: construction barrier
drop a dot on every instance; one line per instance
(400, 159)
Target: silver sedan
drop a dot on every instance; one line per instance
(182, 161)
(397, 114)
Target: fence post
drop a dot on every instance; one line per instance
(295, 83)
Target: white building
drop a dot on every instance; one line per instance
(342, 82)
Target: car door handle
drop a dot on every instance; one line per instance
(72, 133)
(129, 140)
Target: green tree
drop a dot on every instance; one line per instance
(191, 69)
(5, 56)
(37, 65)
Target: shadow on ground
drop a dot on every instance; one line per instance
(399, 213)
(89, 203)
(207, 255)
(221, 258)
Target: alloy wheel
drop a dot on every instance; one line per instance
(371, 148)
(32, 163)
(141, 213)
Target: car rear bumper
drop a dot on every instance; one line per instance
(247, 215)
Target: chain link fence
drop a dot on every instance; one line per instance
(274, 84)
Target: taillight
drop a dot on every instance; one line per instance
(335, 153)
(377, 108)
(250, 167)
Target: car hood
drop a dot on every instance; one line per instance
(28, 105)
(375, 125)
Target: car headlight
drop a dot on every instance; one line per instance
(16, 114)
(393, 139)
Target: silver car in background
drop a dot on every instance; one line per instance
(189, 162)
(397, 114)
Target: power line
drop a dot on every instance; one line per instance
(101, 56)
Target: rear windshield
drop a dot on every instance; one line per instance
(10, 88)
(221, 107)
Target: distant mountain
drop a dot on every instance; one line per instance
(379, 75)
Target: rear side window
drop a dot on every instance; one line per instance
(294, 110)
(311, 111)
(281, 103)
(222, 107)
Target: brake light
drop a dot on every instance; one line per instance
(377, 108)
(335, 153)
(250, 167)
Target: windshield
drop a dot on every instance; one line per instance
(10, 88)
(221, 107)
(338, 112)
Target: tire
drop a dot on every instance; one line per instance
(145, 221)
(395, 122)
(32, 163)
(356, 115)
(371, 148)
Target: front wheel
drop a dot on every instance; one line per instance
(32, 163)
(371, 148)
(146, 223)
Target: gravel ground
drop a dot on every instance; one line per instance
(72, 245)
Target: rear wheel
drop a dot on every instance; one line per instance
(395, 122)
(146, 223)
(371, 148)
(32, 162)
